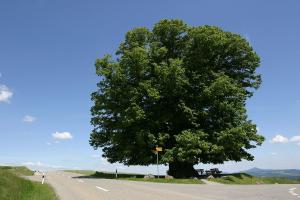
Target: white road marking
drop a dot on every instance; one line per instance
(100, 188)
(293, 193)
(81, 181)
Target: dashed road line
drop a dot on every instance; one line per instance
(80, 181)
(103, 189)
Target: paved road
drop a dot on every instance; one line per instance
(70, 186)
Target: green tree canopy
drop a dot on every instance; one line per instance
(180, 87)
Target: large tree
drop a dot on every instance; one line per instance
(180, 87)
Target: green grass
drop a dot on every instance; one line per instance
(13, 187)
(83, 172)
(246, 179)
(107, 175)
(133, 177)
(162, 180)
(19, 170)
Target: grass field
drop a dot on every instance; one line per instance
(107, 175)
(162, 180)
(13, 187)
(134, 177)
(246, 179)
(23, 171)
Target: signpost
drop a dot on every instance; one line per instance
(157, 149)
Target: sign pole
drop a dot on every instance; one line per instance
(157, 164)
(157, 150)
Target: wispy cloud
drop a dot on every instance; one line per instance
(40, 164)
(295, 138)
(5, 94)
(62, 136)
(29, 163)
(28, 119)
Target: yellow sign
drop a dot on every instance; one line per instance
(158, 149)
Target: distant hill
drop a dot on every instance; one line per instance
(285, 173)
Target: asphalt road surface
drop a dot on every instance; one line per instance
(71, 186)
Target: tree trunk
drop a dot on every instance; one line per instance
(182, 170)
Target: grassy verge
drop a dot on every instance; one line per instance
(246, 179)
(107, 175)
(162, 180)
(83, 172)
(20, 170)
(133, 177)
(13, 187)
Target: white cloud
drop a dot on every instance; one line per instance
(5, 94)
(62, 136)
(295, 138)
(28, 119)
(95, 156)
(40, 165)
(282, 139)
(273, 153)
(279, 139)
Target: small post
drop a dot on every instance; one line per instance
(43, 178)
(157, 149)
(157, 164)
(116, 173)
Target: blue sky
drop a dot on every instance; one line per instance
(47, 54)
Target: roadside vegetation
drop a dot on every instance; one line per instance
(133, 177)
(246, 179)
(20, 170)
(163, 180)
(108, 175)
(14, 187)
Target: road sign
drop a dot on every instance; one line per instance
(158, 149)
